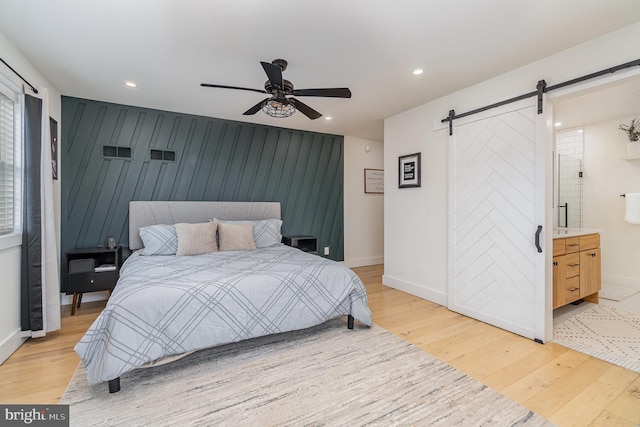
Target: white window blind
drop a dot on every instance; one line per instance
(7, 159)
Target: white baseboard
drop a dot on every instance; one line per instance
(363, 262)
(611, 279)
(9, 345)
(415, 289)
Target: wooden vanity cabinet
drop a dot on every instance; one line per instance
(590, 273)
(576, 269)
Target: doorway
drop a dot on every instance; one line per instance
(593, 116)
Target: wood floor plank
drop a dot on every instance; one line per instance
(511, 373)
(627, 405)
(589, 404)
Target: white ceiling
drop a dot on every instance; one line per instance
(88, 49)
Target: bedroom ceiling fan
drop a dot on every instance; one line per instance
(280, 103)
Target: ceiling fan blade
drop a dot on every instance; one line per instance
(305, 109)
(232, 87)
(255, 108)
(337, 92)
(274, 73)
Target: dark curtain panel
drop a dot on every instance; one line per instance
(31, 306)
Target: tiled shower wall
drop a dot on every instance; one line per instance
(569, 155)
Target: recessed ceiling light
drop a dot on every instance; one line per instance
(130, 84)
(418, 71)
(558, 124)
(327, 118)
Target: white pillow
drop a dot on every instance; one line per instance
(196, 239)
(159, 239)
(235, 237)
(266, 232)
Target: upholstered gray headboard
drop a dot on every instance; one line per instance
(142, 214)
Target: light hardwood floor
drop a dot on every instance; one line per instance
(566, 387)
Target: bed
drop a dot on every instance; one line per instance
(167, 304)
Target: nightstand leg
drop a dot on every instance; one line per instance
(79, 299)
(73, 304)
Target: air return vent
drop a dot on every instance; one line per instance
(164, 155)
(115, 151)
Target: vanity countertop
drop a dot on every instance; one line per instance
(562, 232)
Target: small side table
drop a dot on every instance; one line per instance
(307, 244)
(90, 270)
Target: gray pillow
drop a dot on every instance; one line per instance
(159, 239)
(266, 232)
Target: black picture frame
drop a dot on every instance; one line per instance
(409, 171)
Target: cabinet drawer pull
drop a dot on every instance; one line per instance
(574, 244)
(573, 289)
(573, 265)
(593, 254)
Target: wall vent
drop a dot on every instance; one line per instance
(115, 151)
(164, 155)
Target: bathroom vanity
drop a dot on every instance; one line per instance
(576, 266)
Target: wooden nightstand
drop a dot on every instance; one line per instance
(90, 270)
(307, 244)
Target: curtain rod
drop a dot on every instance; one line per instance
(18, 74)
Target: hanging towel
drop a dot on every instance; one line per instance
(632, 214)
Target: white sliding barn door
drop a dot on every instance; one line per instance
(496, 202)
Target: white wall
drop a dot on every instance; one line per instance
(10, 257)
(607, 175)
(363, 213)
(416, 220)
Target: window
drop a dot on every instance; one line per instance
(9, 161)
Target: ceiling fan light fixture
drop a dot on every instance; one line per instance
(275, 108)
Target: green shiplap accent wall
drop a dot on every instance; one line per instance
(218, 160)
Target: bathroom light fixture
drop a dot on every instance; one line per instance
(328, 118)
(130, 84)
(418, 71)
(558, 124)
(277, 108)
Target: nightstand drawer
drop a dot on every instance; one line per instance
(91, 281)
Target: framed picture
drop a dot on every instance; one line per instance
(409, 170)
(374, 181)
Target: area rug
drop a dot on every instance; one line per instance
(618, 292)
(603, 332)
(327, 375)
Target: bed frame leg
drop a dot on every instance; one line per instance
(350, 322)
(114, 385)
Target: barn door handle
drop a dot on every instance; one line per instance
(538, 239)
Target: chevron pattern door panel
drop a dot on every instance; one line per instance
(492, 256)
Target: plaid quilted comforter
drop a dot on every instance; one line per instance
(168, 305)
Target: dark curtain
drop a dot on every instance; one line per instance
(31, 277)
